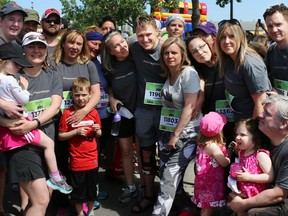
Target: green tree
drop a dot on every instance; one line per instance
(222, 3)
(89, 12)
(2, 2)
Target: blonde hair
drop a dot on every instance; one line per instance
(81, 83)
(71, 35)
(93, 28)
(184, 57)
(241, 43)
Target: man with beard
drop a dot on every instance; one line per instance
(51, 25)
(30, 24)
(273, 122)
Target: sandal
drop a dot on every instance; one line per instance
(138, 208)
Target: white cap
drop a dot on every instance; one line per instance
(31, 37)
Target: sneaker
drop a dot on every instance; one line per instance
(61, 185)
(127, 194)
(96, 205)
(102, 195)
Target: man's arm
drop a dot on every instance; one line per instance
(265, 198)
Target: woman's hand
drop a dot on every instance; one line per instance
(113, 104)
(76, 116)
(171, 145)
(23, 126)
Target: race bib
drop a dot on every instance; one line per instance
(222, 107)
(153, 94)
(169, 119)
(281, 86)
(104, 99)
(36, 108)
(67, 100)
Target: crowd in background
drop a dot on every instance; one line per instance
(218, 97)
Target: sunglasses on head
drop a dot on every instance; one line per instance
(231, 21)
(55, 21)
(34, 37)
(106, 36)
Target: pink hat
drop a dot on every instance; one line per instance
(212, 124)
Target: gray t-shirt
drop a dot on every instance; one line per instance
(251, 78)
(70, 72)
(279, 156)
(46, 84)
(277, 65)
(148, 70)
(173, 95)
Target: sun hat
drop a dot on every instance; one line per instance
(32, 15)
(50, 11)
(173, 17)
(212, 124)
(11, 7)
(14, 52)
(207, 27)
(31, 37)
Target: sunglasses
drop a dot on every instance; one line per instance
(55, 21)
(34, 37)
(107, 36)
(231, 21)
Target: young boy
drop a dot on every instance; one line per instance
(82, 147)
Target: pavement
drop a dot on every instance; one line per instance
(109, 207)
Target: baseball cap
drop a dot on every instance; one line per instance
(207, 27)
(173, 17)
(32, 15)
(15, 53)
(31, 37)
(50, 11)
(212, 124)
(11, 7)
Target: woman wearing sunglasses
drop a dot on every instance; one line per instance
(26, 163)
(245, 75)
(117, 62)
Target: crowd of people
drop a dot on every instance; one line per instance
(212, 97)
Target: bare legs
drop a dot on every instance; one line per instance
(38, 194)
(126, 147)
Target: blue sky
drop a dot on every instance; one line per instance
(247, 10)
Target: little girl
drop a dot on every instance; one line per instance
(256, 164)
(11, 60)
(211, 158)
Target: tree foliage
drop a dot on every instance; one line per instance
(89, 12)
(2, 2)
(222, 3)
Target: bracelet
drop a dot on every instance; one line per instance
(38, 122)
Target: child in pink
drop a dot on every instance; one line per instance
(11, 60)
(257, 170)
(211, 158)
